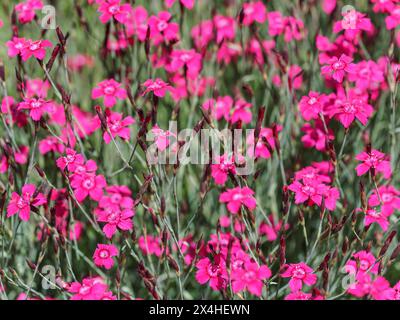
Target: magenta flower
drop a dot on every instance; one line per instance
(90, 289)
(250, 278)
(393, 19)
(26, 11)
(373, 161)
(85, 185)
(383, 5)
(119, 196)
(271, 230)
(265, 145)
(313, 105)
(300, 274)
(254, 12)
(36, 107)
(375, 216)
(189, 60)
(225, 26)
(188, 4)
(115, 219)
(21, 204)
(276, 23)
(157, 86)
(362, 262)
(241, 112)
(71, 160)
(103, 256)
(353, 23)
(221, 170)
(162, 28)
(36, 49)
(390, 198)
(111, 91)
(203, 33)
(213, 272)
(338, 67)
(150, 245)
(351, 107)
(15, 46)
(220, 108)
(329, 6)
(237, 197)
(110, 9)
(118, 126)
(315, 136)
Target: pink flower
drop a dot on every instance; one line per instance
(118, 126)
(162, 28)
(115, 218)
(21, 204)
(300, 274)
(276, 23)
(375, 162)
(362, 262)
(51, 144)
(315, 136)
(250, 278)
(241, 112)
(353, 23)
(103, 256)
(237, 197)
(368, 75)
(85, 185)
(314, 192)
(271, 229)
(189, 60)
(213, 272)
(266, 143)
(338, 67)
(119, 196)
(162, 138)
(329, 6)
(294, 29)
(381, 290)
(375, 216)
(114, 9)
(37, 107)
(386, 6)
(37, 88)
(203, 33)
(15, 46)
(313, 105)
(228, 52)
(189, 4)
(390, 198)
(70, 161)
(36, 49)
(111, 91)
(225, 27)
(221, 170)
(150, 245)
(393, 20)
(26, 10)
(220, 108)
(350, 107)
(254, 12)
(157, 86)
(90, 289)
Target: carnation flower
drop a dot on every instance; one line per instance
(111, 91)
(300, 274)
(373, 161)
(103, 256)
(250, 278)
(238, 197)
(21, 204)
(337, 68)
(213, 272)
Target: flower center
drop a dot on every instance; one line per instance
(113, 9)
(34, 47)
(349, 108)
(387, 197)
(213, 270)
(339, 65)
(299, 273)
(162, 25)
(109, 90)
(21, 203)
(104, 254)
(84, 290)
(88, 183)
